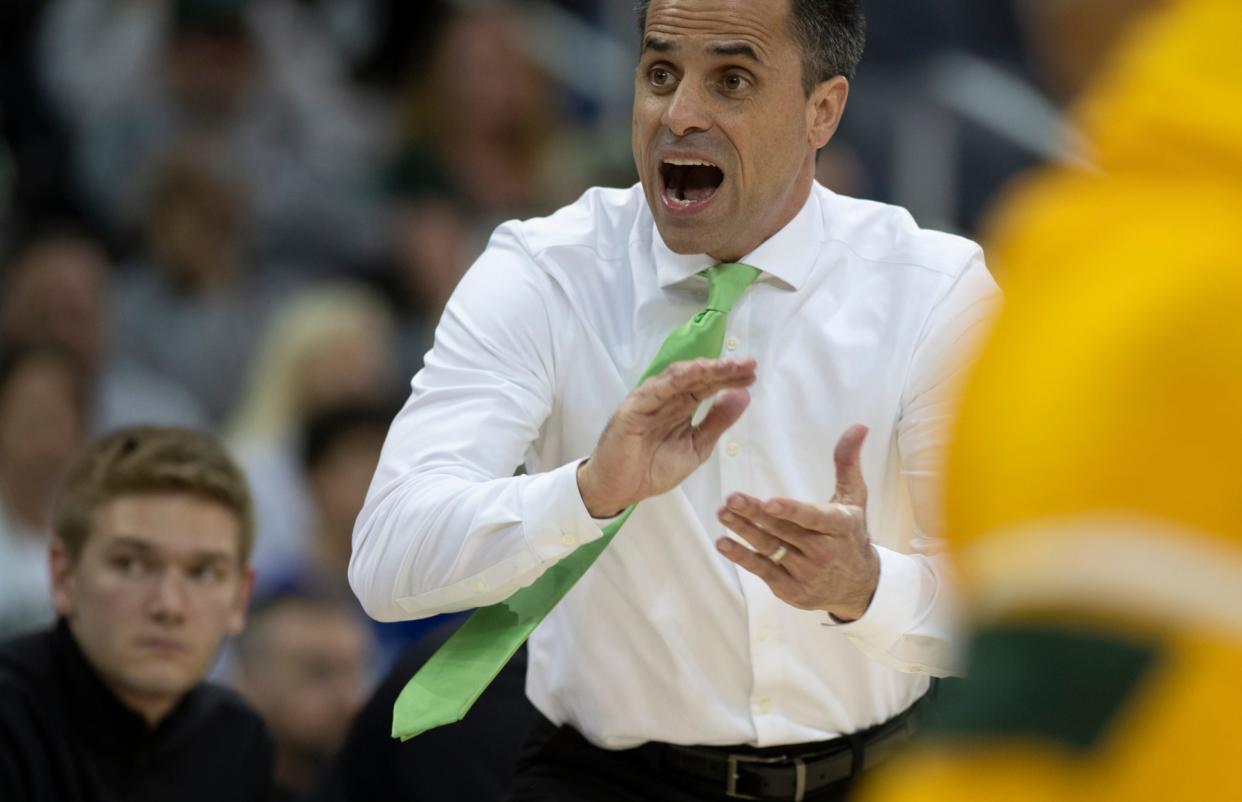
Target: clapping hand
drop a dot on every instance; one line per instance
(813, 556)
(650, 445)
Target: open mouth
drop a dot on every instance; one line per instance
(690, 183)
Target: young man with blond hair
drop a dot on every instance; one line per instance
(149, 565)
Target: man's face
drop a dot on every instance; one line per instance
(340, 481)
(724, 133)
(41, 425)
(196, 235)
(57, 296)
(157, 587)
(310, 678)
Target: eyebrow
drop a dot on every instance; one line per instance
(659, 44)
(144, 547)
(735, 49)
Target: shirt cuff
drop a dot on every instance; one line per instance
(892, 608)
(554, 517)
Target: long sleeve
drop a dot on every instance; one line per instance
(446, 525)
(913, 618)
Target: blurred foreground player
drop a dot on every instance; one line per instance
(149, 574)
(1094, 499)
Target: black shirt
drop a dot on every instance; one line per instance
(64, 737)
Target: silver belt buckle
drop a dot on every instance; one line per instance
(799, 775)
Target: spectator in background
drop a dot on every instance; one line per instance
(402, 33)
(432, 247)
(329, 345)
(303, 662)
(341, 447)
(55, 291)
(472, 760)
(42, 425)
(149, 571)
(256, 81)
(479, 125)
(35, 143)
(192, 308)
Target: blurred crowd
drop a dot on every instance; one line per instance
(245, 216)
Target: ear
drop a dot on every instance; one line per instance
(825, 108)
(237, 615)
(61, 565)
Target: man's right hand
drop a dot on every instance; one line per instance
(649, 445)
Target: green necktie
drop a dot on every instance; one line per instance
(449, 683)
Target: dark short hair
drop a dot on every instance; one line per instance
(149, 460)
(832, 34)
(253, 641)
(223, 18)
(324, 431)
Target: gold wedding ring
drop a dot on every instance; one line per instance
(779, 554)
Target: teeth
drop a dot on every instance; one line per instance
(688, 163)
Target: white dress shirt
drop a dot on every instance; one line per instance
(858, 316)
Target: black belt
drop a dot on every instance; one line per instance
(769, 775)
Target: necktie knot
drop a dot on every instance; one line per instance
(726, 283)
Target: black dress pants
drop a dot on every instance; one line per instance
(558, 765)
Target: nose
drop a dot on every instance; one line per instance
(686, 110)
(168, 602)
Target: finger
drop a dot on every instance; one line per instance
(851, 489)
(829, 519)
(713, 378)
(656, 391)
(777, 578)
(761, 540)
(706, 389)
(681, 408)
(753, 510)
(693, 381)
(723, 414)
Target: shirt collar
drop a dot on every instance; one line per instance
(788, 255)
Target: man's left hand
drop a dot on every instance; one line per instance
(824, 559)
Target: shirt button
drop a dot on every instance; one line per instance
(732, 343)
(733, 449)
(479, 586)
(764, 633)
(764, 706)
(568, 539)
